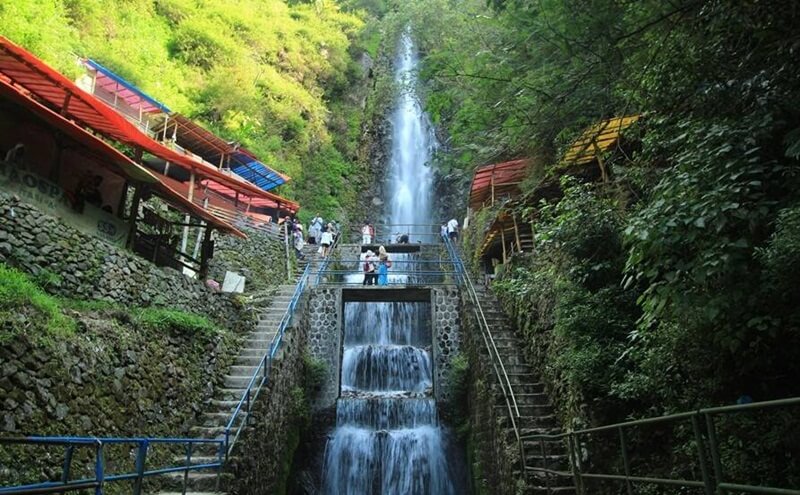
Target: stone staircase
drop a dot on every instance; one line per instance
(535, 412)
(218, 412)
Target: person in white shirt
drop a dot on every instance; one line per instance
(326, 240)
(452, 229)
(366, 234)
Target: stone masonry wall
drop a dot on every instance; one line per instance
(113, 377)
(88, 268)
(261, 259)
(325, 341)
(446, 335)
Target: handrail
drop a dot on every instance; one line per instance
(326, 261)
(494, 354)
(705, 442)
(249, 396)
(66, 484)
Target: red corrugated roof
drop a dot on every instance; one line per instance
(118, 162)
(25, 70)
(505, 176)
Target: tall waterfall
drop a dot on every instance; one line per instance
(387, 438)
(413, 143)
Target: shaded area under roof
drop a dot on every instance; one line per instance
(133, 96)
(49, 86)
(598, 138)
(118, 162)
(498, 178)
(217, 151)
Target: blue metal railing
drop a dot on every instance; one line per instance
(223, 445)
(101, 477)
(261, 374)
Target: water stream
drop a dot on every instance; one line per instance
(388, 439)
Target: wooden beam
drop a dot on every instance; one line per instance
(134, 213)
(503, 240)
(516, 233)
(598, 152)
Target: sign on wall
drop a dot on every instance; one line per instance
(51, 199)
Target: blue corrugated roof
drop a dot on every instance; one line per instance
(122, 82)
(256, 172)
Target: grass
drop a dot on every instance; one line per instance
(26, 308)
(165, 319)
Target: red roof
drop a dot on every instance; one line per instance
(118, 162)
(25, 70)
(505, 177)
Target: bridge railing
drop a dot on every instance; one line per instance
(709, 463)
(488, 340)
(101, 477)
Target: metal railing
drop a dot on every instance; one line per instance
(391, 233)
(224, 445)
(101, 476)
(403, 272)
(706, 445)
(494, 355)
(261, 374)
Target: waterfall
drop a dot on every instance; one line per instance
(387, 438)
(412, 146)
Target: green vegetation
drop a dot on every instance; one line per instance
(670, 287)
(277, 76)
(26, 309)
(165, 319)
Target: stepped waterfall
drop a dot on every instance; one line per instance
(387, 438)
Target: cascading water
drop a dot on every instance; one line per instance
(387, 438)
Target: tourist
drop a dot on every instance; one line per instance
(326, 240)
(369, 268)
(366, 234)
(452, 229)
(443, 232)
(298, 244)
(384, 263)
(315, 230)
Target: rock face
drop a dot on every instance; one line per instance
(112, 378)
(84, 267)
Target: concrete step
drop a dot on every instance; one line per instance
(529, 410)
(237, 381)
(229, 394)
(253, 351)
(198, 481)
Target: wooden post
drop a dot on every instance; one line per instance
(503, 241)
(134, 213)
(491, 181)
(205, 254)
(516, 233)
(122, 198)
(599, 154)
(164, 135)
(190, 197)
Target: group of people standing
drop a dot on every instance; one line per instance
(318, 233)
(376, 268)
